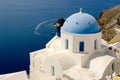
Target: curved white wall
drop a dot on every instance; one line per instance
(102, 65)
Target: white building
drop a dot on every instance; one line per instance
(78, 54)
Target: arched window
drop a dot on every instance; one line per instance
(67, 43)
(95, 44)
(81, 46)
(52, 70)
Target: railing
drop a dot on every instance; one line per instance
(116, 68)
(116, 65)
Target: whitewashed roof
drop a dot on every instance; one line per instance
(14, 76)
(78, 73)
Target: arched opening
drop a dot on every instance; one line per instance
(52, 70)
(95, 44)
(67, 43)
(81, 46)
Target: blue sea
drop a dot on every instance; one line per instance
(26, 26)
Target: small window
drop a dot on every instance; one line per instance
(81, 46)
(67, 44)
(77, 23)
(52, 71)
(95, 44)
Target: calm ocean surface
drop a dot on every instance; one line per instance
(19, 19)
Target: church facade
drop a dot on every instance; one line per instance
(78, 54)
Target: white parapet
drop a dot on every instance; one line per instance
(14, 76)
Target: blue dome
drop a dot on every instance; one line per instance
(81, 23)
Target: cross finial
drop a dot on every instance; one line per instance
(80, 10)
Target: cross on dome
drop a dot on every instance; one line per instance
(81, 10)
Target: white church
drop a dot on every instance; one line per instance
(78, 54)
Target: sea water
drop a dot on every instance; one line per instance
(26, 26)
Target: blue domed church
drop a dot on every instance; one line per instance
(78, 54)
(81, 33)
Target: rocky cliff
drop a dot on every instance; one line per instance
(109, 22)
